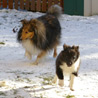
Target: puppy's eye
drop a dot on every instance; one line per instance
(74, 57)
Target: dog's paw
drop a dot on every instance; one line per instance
(54, 80)
(34, 63)
(61, 83)
(71, 89)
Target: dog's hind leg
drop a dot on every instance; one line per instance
(40, 55)
(55, 52)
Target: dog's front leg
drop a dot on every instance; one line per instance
(60, 75)
(28, 55)
(40, 55)
(72, 77)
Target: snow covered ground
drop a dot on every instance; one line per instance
(20, 79)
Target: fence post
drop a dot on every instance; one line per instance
(21, 4)
(10, 3)
(62, 4)
(38, 5)
(49, 3)
(56, 1)
(4, 3)
(32, 5)
(16, 4)
(27, 5)
(0, 3)
(44, 6)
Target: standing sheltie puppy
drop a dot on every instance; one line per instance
(40, 35)
(67, 62)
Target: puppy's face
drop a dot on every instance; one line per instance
(27, 31)
(71, 54)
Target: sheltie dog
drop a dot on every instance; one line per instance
(67, 62)
(40, 35)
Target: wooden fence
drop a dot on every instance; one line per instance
(32, 5)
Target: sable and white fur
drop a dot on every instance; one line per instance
(68, 62)
(40, 35)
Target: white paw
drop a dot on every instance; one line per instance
(34, 63)
(71, 89)
(29, 56)
(61, 83)
(54, 81)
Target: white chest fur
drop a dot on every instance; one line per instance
(29, 47)
(73, 68)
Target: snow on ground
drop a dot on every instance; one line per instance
(20, 79)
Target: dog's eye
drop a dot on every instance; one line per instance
(74, 57)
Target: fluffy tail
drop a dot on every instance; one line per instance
(55, 10)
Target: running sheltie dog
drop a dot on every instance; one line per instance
(40, 35)
(67, 62)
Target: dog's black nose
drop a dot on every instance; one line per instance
(69, 64)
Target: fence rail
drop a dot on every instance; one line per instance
(32, 5)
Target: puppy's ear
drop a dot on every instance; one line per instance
(65, 46)
(77, 47)
(73, 47)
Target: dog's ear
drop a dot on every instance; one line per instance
(33, 22)
(65, 46)
(24, 21)
(75, 47)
